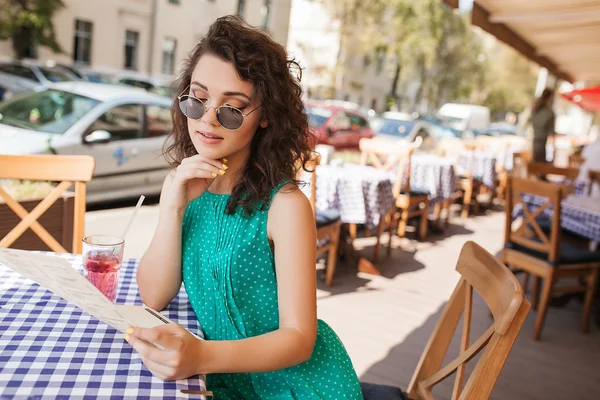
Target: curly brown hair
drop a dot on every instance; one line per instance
(277, 151)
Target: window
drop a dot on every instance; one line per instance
(82, 42)
(50, 111)
(241, 11)
(266, 14)
(159, 120)
(341, 122)
(122, 122)
(357, 122)
(168, 56)
(55, 75)
(19, 71)
(131, 45)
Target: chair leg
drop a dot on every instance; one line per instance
(403, 222)
(526, 282)
(541, 314)
(446, 207)
(424, 221)
(380, 229)
(589, 297)
(535, 295)
(467, 201)
(352, 229)
(390, 220)
(332, 256)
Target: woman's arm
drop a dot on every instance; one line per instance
(291, 226)
(159, 271)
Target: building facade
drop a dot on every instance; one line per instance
(148, 36)
(337, 62)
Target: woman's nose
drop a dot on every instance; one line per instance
(210, 116)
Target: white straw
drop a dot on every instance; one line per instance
(137, 207)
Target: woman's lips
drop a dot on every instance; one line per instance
(208, 137)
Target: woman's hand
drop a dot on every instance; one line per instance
(191, 179)
(182, 354)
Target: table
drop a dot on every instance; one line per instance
(579, 214)
(433, 174)
(362, 194)
(483, 166)
(51, 349)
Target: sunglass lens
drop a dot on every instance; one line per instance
(230, 118)
(191, 107)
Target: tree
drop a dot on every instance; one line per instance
(28, 23)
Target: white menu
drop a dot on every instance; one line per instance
(58, 275)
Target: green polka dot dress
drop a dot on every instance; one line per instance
(229, 276)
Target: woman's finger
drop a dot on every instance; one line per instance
(201, 166)
(197, 159)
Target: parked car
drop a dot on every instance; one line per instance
(11, 85)
(367, 112)
(336, 126)
(397, 126)
(38, 73)
(123, 128)
(151, 85)
(468, 119)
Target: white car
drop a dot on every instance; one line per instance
(396, 126)
(123, 128)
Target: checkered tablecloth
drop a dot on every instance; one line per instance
(483, 166)
(433, 174)
(361, 194)
(579, 214)
(51, 349)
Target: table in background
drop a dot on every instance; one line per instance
(361, 194)
(579, 214)
(483, 167)
(51, 349)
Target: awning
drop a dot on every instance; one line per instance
(561, 35)
(588, 98)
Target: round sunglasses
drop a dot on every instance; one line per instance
(229, 117)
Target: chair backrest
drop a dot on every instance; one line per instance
(311, 166)
(594, 180)
(63, 169)
(520, 161)
(543, 170)
(529, 234)
(503, 295)
(576, 160)
(393, 157)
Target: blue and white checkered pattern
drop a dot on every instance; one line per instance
(51, 349)
(483, 166)
(360, 193)
(432, 174)
(575, 217)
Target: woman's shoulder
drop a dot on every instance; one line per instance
(289, 198)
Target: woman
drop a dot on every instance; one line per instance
(235, 229)
(542, 119)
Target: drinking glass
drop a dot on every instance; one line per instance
(102, 257)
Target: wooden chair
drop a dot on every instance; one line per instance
(504, 297)
(408, 203)
(470, 187)
(64, 169)
(539, 251)
(520, 161)
(594, 180)
(576, 160)
(550, 172)
(328, 224)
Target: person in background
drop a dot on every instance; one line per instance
(542, 120)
